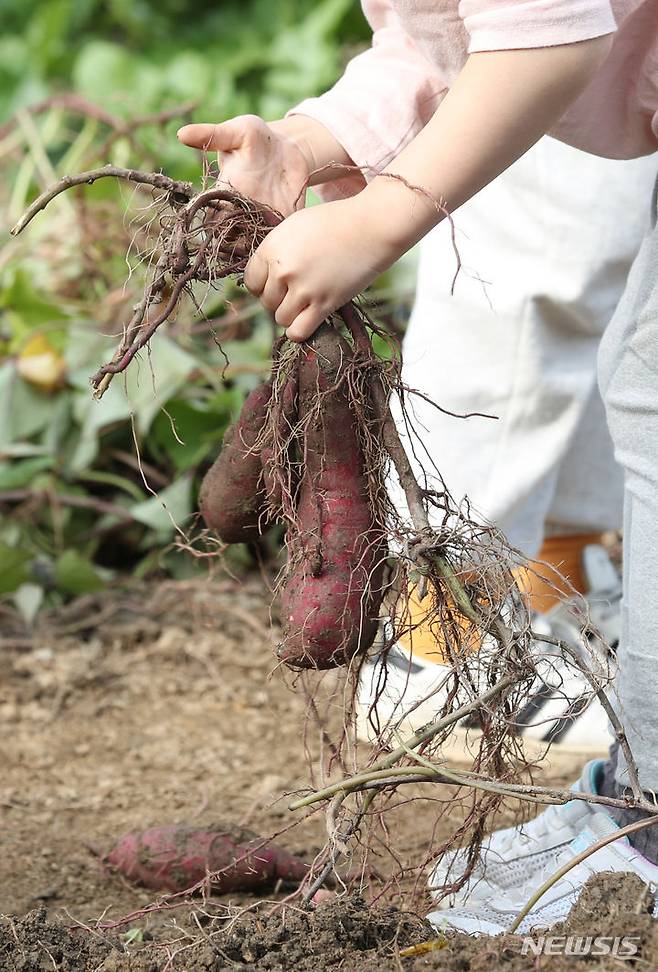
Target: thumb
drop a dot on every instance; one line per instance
(219, 138)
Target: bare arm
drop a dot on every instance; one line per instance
(500, 104)
(324, 155)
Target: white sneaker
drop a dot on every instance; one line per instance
(405, 691)
(512, 856)
(522, 877)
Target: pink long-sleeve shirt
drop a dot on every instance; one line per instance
(388, 93)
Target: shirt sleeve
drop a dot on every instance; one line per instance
(495, 25)
(384, 98)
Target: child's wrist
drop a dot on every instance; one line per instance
(323, 153)
(294, 130)
(399, 214)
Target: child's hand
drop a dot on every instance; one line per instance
(317, 260)
(256, 159)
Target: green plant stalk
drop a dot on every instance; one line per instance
(457, 589)
(423, 735)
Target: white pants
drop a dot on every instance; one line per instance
(545, 252)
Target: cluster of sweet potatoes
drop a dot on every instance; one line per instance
(333, 585)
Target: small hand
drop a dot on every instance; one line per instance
(256, 159)
(317, 260)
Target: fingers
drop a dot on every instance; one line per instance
(273, 294)
(291, 309)
(225, 137)
(291, 305)
(306, 323)
(255, 274)
(284, 275)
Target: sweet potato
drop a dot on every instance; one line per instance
(232, 495)
(333, 590)
(284, 417)
(176, 857)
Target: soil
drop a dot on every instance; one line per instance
(157, 708)
(137, 708)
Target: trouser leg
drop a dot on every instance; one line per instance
(628, 375)
(546, 250)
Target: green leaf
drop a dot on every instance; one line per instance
(190, 73)
(112, 479)
(76, 575)
(24, 411)
(15, 475)
(60, 425)
(27, 307)
(85, 349)
(13, 54)
(46, 31)
(187, 434)
(155, 378)
(14, 569)
(102, 67)
(148, 384)
(92, 417)
(168, 510)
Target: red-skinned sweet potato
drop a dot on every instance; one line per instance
(232, 494)
(284, 418)
(176, 857)
(331, 597)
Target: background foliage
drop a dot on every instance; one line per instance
(88, 489)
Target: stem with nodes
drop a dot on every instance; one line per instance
(182, 190)
(423, 735)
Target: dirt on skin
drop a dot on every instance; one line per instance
(144, 707)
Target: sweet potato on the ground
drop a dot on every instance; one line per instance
(333, 591)
(176, 857)
(232, 495)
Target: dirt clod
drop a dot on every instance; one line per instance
(611, 899)
(339, 934)
(32, 943)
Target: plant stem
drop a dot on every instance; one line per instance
(417, 739)
(155, 179)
